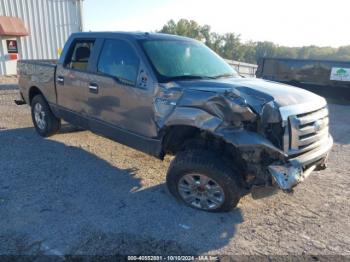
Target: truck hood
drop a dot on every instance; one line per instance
(256, 92)
(233, 100)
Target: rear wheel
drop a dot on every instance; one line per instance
(45, 122)
(202, 180)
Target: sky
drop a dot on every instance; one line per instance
(284, 22)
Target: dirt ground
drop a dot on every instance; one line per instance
(78, 193)
(9, 80)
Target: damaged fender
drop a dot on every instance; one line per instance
(220, 113)
(202, 109)
(246, 140)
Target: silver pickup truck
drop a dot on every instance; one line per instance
(164, 94)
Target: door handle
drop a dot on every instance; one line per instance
(60, 80)
(93, 87)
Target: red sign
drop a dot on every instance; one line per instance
(12, 46)
(12, 56)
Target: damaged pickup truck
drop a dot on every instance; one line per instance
(164, 94)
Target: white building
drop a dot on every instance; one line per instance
(35, 29)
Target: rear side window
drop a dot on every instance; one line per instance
(79, 56)
(118, 59)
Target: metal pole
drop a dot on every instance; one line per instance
(81, 15)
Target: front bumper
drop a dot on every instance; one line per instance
(295, 170)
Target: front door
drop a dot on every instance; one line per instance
(115, 99)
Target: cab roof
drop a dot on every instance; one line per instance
(130, 35)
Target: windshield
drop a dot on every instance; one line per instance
(185, 59)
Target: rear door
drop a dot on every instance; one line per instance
(72, 81)
(115, 98)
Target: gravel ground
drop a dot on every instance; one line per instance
(8, 80)
(78, 193)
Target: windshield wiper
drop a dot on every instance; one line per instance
(188, 77)
(222, 76)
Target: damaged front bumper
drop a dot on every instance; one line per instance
(296, 170)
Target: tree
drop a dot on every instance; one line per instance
(230, 46)
(216, 43)
(187, 28)
(249, 52)
(169, 28)
(265, 49)
(343, 53)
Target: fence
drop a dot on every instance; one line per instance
(244, 69)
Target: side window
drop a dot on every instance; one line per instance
(78, 58)
(118, 59)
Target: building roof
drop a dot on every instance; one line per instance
(12, 26)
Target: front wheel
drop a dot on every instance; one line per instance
(202, 180)
(45, 122)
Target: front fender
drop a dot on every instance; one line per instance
(249, 141)
(194, 117)
(240, 138)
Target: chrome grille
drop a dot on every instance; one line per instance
(306, 131)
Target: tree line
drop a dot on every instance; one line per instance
(230, 45)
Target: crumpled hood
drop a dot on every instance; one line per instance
(283, 95)
(256, 92)
(231, 100)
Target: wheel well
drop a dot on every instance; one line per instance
(33, 91)
(179, 138)
(176, 137)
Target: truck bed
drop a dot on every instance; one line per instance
(38, 73)
(39, 61)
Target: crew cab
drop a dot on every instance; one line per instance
(164, 94)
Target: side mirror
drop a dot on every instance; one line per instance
(142, 80)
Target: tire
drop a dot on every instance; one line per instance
(45, 122)
(194, 165)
